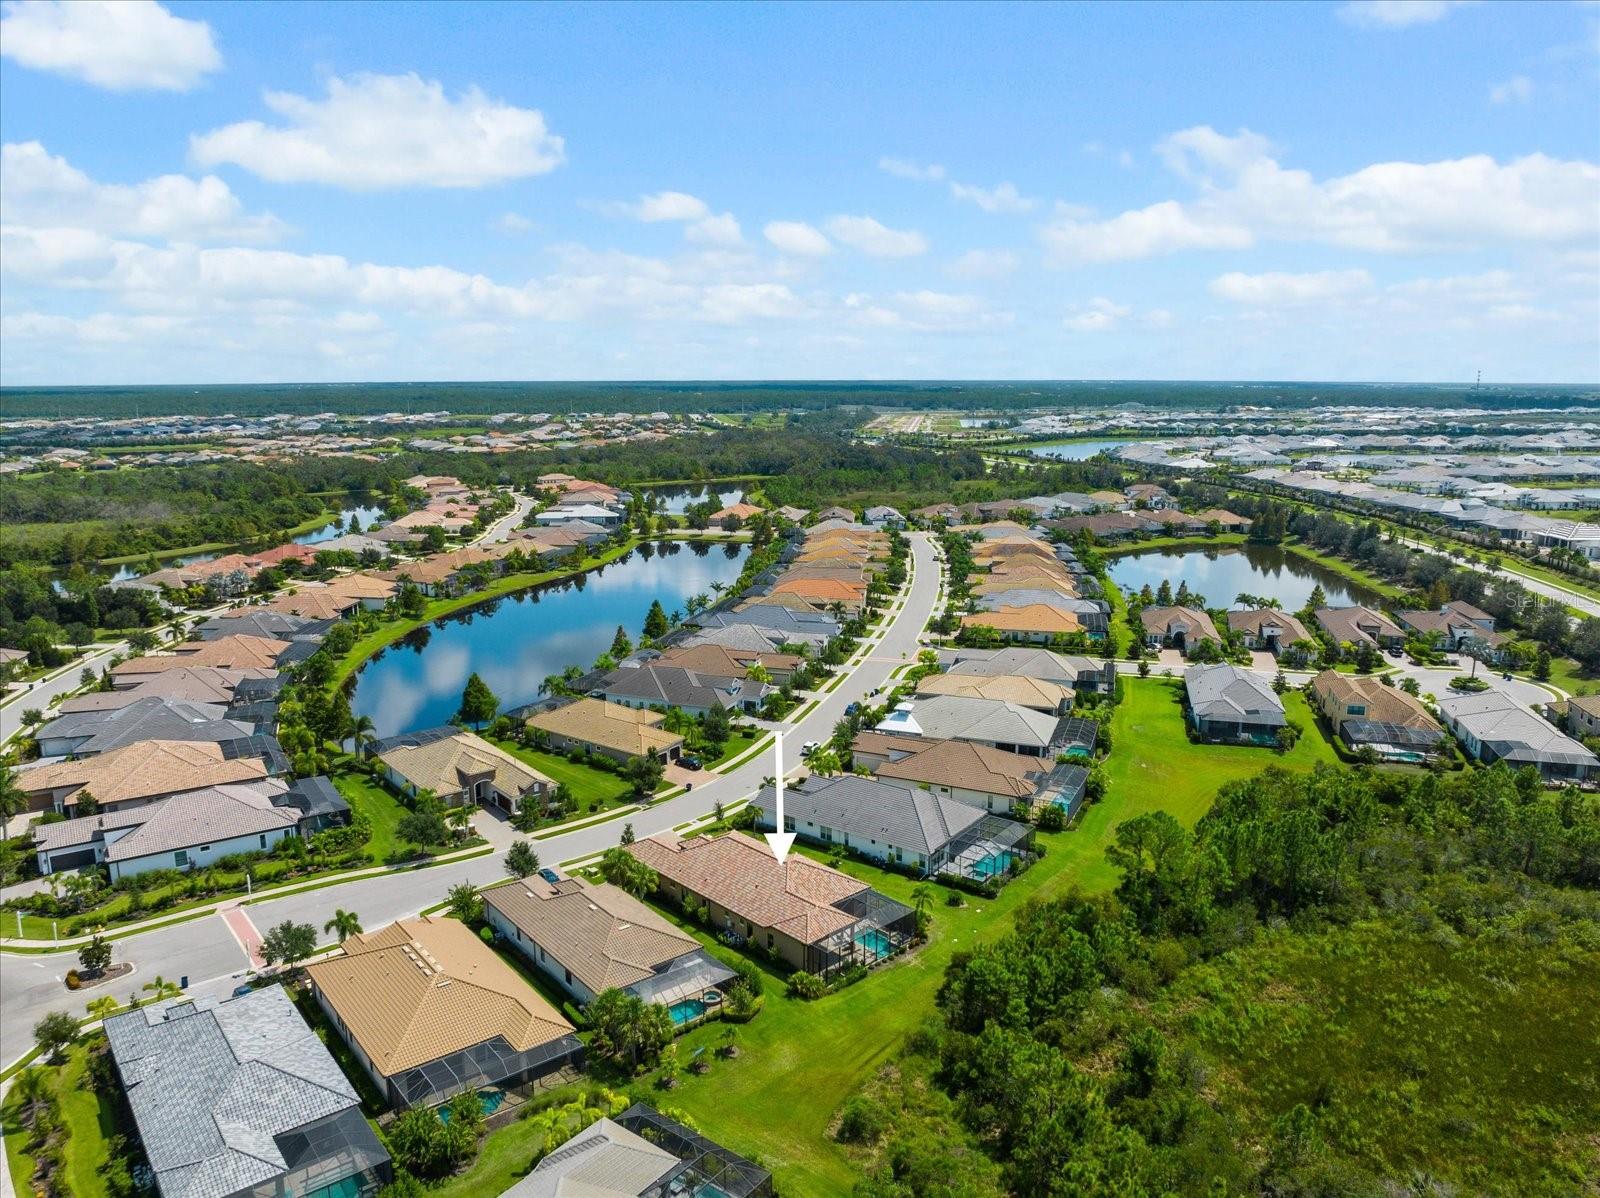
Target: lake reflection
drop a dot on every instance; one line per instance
(1222, 574)
(515, 642)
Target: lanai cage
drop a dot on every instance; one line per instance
(882, 928)
(1392, 742)
(986, 851)
(337, 1155)
(708, 1170)
(491, 1063)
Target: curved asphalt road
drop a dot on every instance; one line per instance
(205, 951)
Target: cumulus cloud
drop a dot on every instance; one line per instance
(903, 169)
(1517, 89)
(1395, 14)
(512, 224)
(663, 206)
(1003, 197)
(720, 230)
(386, 131)
(925, 311)
(797, 238)
(1099, 315)
(1274, 288)
(121, 45)
(876, 239)
(984, 264)
(1245, 196)
(40, 188)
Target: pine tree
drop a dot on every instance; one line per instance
(621, 646)
(478, 703)
(655, 623)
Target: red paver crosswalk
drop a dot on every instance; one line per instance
(245, 933)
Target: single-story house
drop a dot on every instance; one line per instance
(1268, 628)
(135, 774)
(724, 662)
(990, 779)
(429, 1011)
(1229, 521)
(641, 1153)
(992, 722)
(592, 938)
(1080, 673)
(87, 733)
(1359, 626)
(240, 1097)
(1054, 698)
(460, 767)
(263, 622)
(883, 516)
(1180, 628)
(201, 684)
(1461, 628)
(1036, 623)
(1149, 494)
(611, 729)
(229, 652)
(644, 685)
(1229, 704)
(1362, 711)
(1492, 726)
(812, 917)
(592, 513)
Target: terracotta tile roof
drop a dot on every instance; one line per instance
(717, 659)
(1036, 617)
(149, 769)
(1384, 704)
(315, 603)
(444, 765)
(630, 730)
(741, 875)
(1012, 688)
(604, 935)
(820, 588)
(966, 766)
(425, 988)
(232, 652)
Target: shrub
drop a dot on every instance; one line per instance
(806, 985)
(862, 1121)
(486, 934)
(73, 980)
(1052, 818)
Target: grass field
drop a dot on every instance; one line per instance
(87, 1124)
(380, 807)
(594, 789)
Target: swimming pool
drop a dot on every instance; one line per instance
(489, 1100)
(991, 866)
(686, 1010)
(875, 942)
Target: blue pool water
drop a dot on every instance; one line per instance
(992, 866)
(686, 1010)
(875, 942)
(489, 1100)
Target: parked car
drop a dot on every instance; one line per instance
(690, 762)
(810, 747)
(852, 708)
(1396, 653)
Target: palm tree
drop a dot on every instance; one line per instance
(12, 800)
(160, 988)
(459, 817)
(32, 1090)
(363, 732)
(922, 902)
(343, 925)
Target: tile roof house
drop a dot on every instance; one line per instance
(1178, 628)
(1054, 698)
(984, 721)
(1229, 704)
(197, 684)
(591, 938)
(899, 824)
(1461, 627)
(1037, 623)
(230, 652)
(617, 731)
(135, 774)
(1359, 626)
(460, 767)
(812, 917)
(983, 777)
(262, 622)
(87, 733)
(726, 662)
(429, 1011)
(1268, 628)
(1492, 727)
(639, 685)
(242, 1098)
(641, 1154)
(1363, 711)
(1082, 673)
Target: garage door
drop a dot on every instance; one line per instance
(79, 857)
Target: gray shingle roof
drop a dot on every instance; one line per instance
(152, 718)
(211, 1090)
(906, 817)
(957, 717)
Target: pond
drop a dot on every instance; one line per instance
(515, 642)
(367, 514)
(1222, 574)
(1076, 451)
(676, 499)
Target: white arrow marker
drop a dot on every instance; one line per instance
(780, 840)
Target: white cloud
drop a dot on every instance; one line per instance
(39, 188)
(925, 311)
(1277, 287)
(875, 239)
(1395, 14)
(1245, 195)
(512, 224)
(1003, 197)
(122, 45)
(663, 206)
(984, 264)
(1099, 315)
(797, 238)
(716, 230)
(385, 131)
(902, 169)
(1518, 89)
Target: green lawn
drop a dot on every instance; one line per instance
(88, 1122)
(738, 743)
(381, 808)
(593, 788)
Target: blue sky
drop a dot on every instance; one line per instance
(209, 193)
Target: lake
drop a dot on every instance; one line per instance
(368, 515)
(515, 642)
(676, 499)
(1221, 574)
(1076, 451)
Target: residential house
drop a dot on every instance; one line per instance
(990, 722)
(982, 777)
(643, 685)
(460, 767)
(1461, 628)
(430, 1011)
(1228, 521)
(591, 513)
(230, 652)
(1054, 698)
(1232, 705)
(591, 938)
(807, 915)
(1148, 494)
(1268, 629)
(1363, 712)
(899, 824)
(262, 622)
(722, 661)
(87, 733)
(883, 516)
(1035, 623)
(242, 1098)
(835, 513)
(641, 1154)
(1081, 673)
(1359, 626)
(209, 685)
(1492, 726)
(1180, 628)
(609, 729)
(736, 511)
(134, 775)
